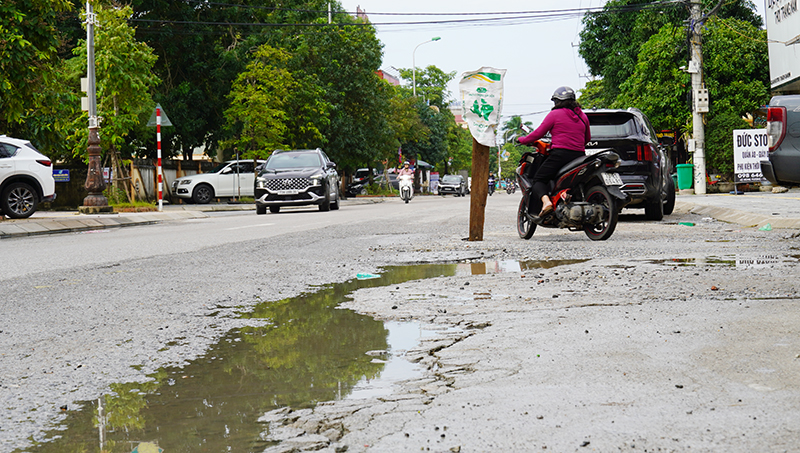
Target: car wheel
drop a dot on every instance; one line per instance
(363, 191)
(19, 201)
(202, 194)
(274, 209)
(261, 210)
(669, 205)
(335, 205)
(654, 209)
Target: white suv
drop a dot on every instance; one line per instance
(26, 178)
(234, 178)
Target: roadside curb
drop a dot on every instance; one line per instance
(72, 222)
(743, 218)
(10, 228)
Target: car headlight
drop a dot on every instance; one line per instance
(186, 181)
(316, 180)
(261, 183)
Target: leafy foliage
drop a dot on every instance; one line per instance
(641, 67)
(28, 48)
(123, 79)
(257, 104)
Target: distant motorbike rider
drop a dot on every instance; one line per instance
(569, 130)
(405, 171)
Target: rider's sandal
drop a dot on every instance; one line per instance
(546, 210)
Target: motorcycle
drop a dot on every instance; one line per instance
(406, 186)
(511, 187)
(586, 194)
(491, 186)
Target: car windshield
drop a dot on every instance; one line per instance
(293, 160)
(612, 125)
(451, 179)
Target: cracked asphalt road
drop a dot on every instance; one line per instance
(666, 336)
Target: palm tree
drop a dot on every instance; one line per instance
(513, 128)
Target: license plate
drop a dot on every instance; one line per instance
(294, 192)
(612, 179)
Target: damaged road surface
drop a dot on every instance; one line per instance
(666, 337)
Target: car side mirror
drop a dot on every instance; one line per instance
(330, 165)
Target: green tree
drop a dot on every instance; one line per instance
(512, 128)
(124, 80)
(459, 143)
(431, 104)
(200, 59)
(735, 72)
(611, 39)
(28, 68)
(345, 60)
(258, 99)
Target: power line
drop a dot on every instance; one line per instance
(486, 19)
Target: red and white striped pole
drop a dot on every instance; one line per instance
(158, 140)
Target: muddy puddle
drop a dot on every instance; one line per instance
(304, 351)
(734, 261)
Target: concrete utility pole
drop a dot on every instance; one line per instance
(700, 100)
(95, 202)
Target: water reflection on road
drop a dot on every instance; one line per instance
(304, 351)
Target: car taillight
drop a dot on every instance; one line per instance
(776, 126)
(644, 153)
(44, 162)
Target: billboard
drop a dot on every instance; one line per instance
(783, 31)
(749, 149)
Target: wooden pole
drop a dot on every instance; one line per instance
(133, 186)
(479, 190)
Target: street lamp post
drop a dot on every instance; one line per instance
(414, 64)
(95, 201)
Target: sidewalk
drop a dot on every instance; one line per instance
(51, 222)
(752, 209)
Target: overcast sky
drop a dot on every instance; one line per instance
(540, 53)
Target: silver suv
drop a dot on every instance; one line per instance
(26, 178)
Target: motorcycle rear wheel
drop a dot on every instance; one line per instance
(525, 227)
(605, 228)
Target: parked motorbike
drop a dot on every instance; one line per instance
(406, 186)
(511, 187)
(586, 194)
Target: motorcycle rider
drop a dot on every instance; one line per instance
(405, 171)
(491, 182)
(569, 130)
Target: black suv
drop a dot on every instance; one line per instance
(297, 178)
(644, 163)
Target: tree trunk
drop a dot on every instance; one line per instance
(479, 190)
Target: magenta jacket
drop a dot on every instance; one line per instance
(569, 129)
